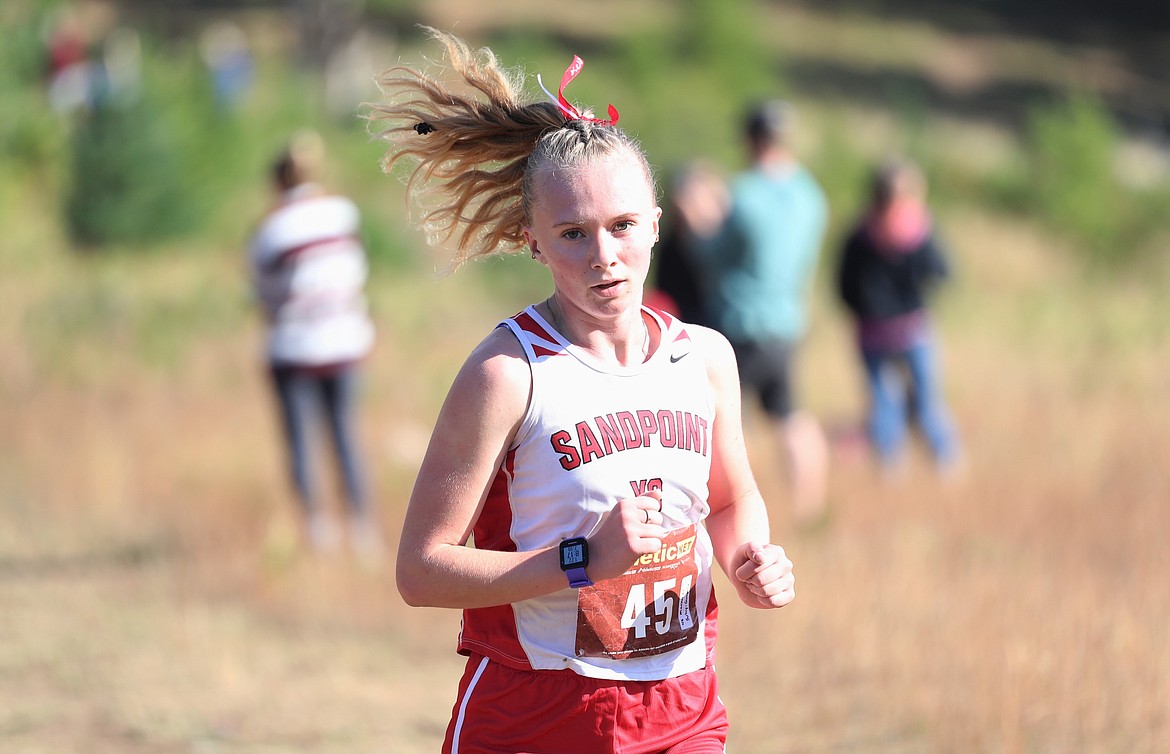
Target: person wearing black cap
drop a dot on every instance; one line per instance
(759, 259)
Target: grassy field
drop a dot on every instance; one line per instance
(153, 599)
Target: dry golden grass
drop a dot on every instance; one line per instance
(152, 598)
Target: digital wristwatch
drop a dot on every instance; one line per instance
(574, 557)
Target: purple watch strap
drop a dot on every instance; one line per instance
(578, 578)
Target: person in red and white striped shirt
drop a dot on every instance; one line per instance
(308, 269)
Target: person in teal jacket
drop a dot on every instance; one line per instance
(759, 258)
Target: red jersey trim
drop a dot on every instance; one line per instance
(541, 342)
(491, 631)
(667, 318)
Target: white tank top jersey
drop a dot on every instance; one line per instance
(594, 434)
(309, 270)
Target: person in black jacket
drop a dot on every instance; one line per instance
(890, 264)
(678, 284)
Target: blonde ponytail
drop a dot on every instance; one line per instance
(475, 156)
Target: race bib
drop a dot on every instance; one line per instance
(648, 610)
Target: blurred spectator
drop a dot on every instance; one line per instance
(890, 264)
(70, 70)
(309, 270)
(228, 58)
(678, 284)
(758, 266)
(118, 76)
(81, 75)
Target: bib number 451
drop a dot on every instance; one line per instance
(637, 616)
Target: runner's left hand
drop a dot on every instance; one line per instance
(763, 576)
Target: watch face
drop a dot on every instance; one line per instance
(573, 554)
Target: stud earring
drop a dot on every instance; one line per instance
(533, 253)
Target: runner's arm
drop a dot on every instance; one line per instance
(738, 523)
(475, 427)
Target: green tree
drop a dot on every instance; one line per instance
(1073, 147)
(126, 184)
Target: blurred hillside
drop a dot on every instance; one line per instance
(1057, 114)
(1118, 51)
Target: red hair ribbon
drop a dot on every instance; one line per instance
(571, 112)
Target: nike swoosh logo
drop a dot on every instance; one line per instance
(676, 359)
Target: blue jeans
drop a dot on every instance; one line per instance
(903, 387)
(304, 397)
